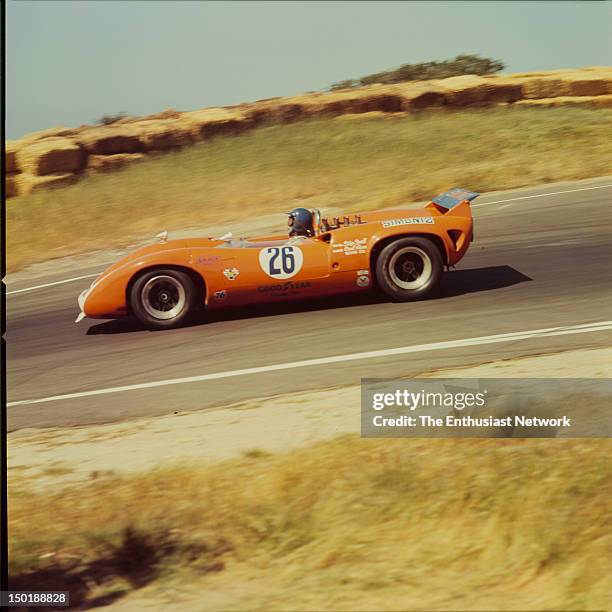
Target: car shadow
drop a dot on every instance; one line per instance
(474, 280)
(135, 561)
(455, 283)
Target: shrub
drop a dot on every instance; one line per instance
(462, 64)
(108, 119)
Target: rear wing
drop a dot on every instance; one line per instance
(448, 200)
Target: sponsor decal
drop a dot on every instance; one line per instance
(220, 295)
(408, 221)
(281, 262)
(206, 260)
(363, 278)
(351, 247)
(231, 273)
(282, 289)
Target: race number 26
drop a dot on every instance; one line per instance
(281, 262)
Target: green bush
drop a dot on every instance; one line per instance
(462, 64)
(109, 119)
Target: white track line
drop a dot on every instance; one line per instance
(61, 282)
(539, 195)
(434, 346)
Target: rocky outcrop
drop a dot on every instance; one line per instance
(211, 122)
(108, 163)
(50, 155)
(478, 91)
(61, 155)
(10, 183)
(58, 131)
(10, 156)
(330, 104)
(592, 101)
(156, 135)
(109, 140)
(419, 96)
(585, 82)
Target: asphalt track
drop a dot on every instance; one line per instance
(538, 261)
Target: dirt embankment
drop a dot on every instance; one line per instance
(60, 156)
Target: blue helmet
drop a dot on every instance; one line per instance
(301, 222)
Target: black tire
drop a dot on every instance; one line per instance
(409, 269)
(163, 298)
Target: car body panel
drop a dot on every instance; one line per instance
(240, 271)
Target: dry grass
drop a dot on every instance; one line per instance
(366, 163)
(347, 524)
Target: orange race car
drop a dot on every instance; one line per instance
(402, 252)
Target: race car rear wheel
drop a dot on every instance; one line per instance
(161, 299)
(409, 269)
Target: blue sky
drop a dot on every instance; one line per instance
(69, 63)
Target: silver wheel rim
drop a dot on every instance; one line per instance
(163, 297)
(410, 268)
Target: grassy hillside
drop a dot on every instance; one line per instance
(354, 162)
(347, 524)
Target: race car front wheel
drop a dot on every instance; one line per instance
(161, 299)
(408, 269)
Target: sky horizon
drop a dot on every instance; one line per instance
(69, 63)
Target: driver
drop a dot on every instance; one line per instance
(301, 222)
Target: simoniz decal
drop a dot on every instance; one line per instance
(408, 221)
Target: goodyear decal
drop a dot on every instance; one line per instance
(284, 289)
